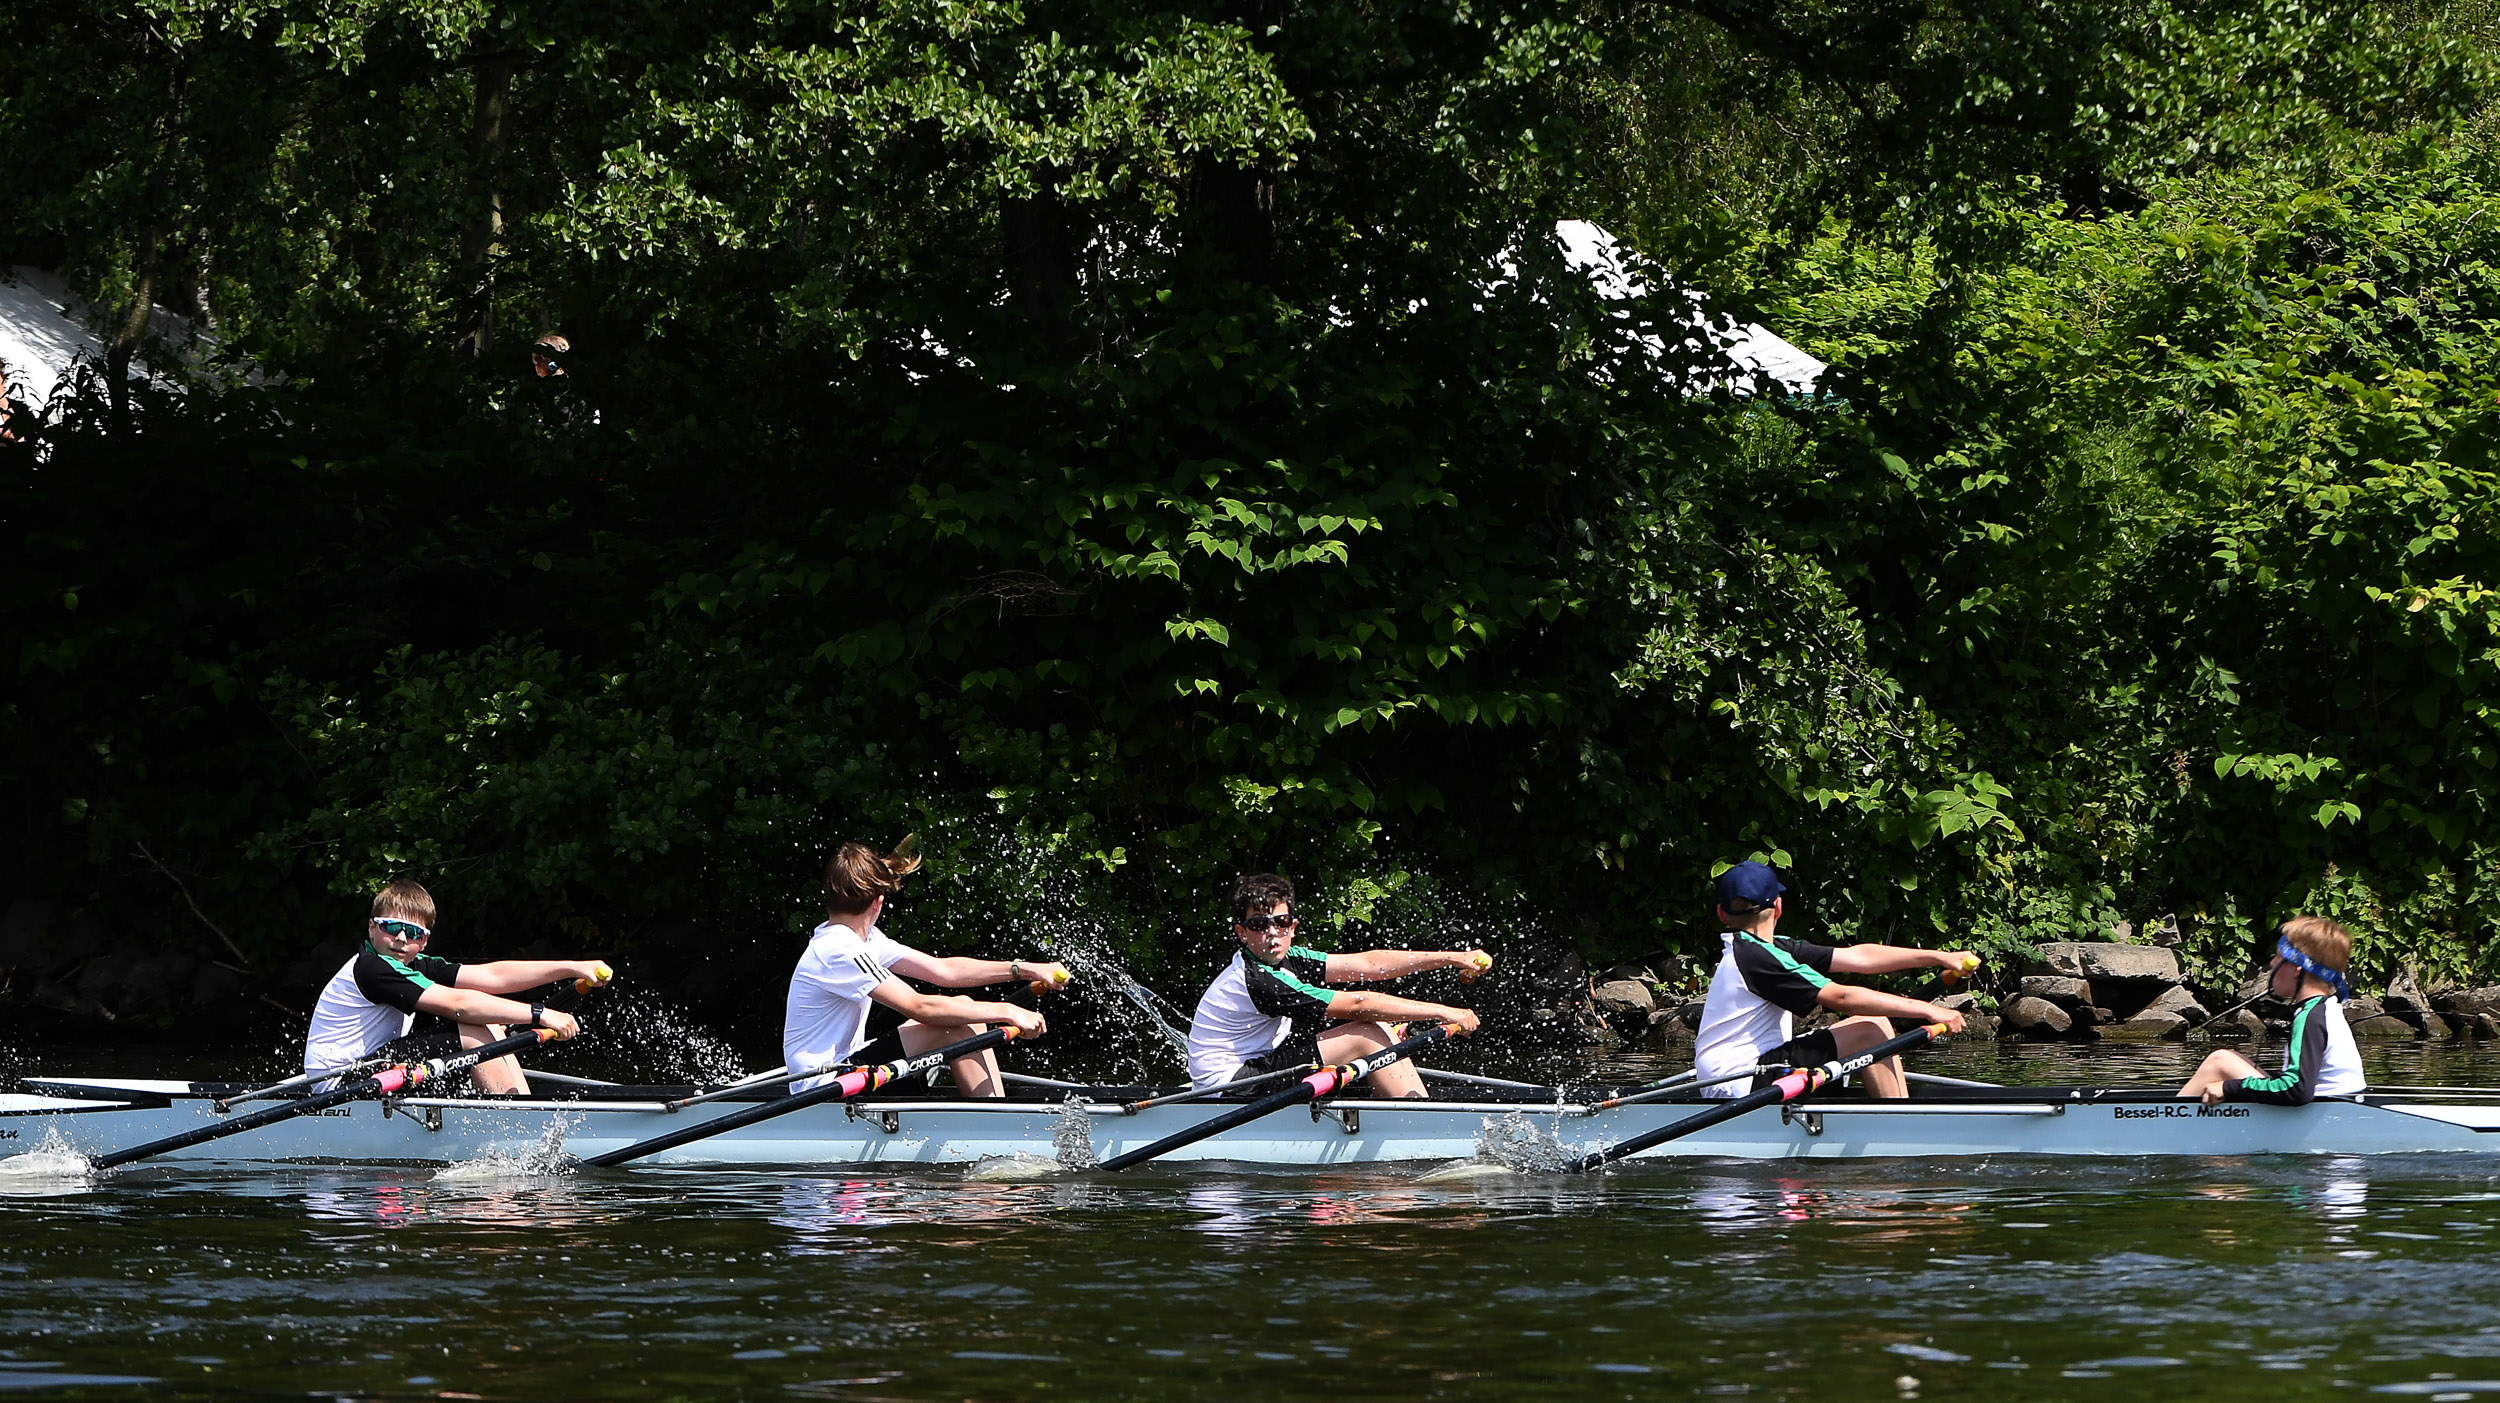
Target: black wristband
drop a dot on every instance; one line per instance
(538, 1015)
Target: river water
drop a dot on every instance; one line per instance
(2007, 1279)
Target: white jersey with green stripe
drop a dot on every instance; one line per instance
(1247, 1013)
(1755, 994)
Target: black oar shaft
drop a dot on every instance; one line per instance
(1787, 1088)
(843, 1087)
(1320, 1083)
(383, 1083)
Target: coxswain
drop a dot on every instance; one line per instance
(375, 997)
(1272, 1007)
(2311, 954)
(851, 964)
(1764, 981)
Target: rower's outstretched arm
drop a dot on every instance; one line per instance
(513, 976)
(964, 972)
(1891, 959)
(1372, 966)
(1389, 1008)
(953, 1009)
(1854, 1001)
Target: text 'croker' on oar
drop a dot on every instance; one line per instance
(858, 1081)
(390, 1081)
(1326, 1081)
(1788, 1088)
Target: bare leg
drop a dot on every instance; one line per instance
(976, 1075)
(2220, 1065)
(1399, 1081)
(1856, 1035)
(500, 1076)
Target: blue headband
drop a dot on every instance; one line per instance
(2292, 956)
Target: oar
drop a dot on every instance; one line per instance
(1323, 1082)
(389, 1081)
(859, 1081)
(1788, 1088)
(297, 1082)
(1222, 1088)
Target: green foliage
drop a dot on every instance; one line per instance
(1135, 444)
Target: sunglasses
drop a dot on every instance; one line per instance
(406, 930)
(1263, 923)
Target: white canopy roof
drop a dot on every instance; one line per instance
(1751, 350)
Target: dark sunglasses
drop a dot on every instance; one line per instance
(1260, 923)
(405, 929)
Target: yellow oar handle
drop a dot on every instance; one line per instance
(1059, 979)
(1477, 963)
(599, 974)
(1953, 972)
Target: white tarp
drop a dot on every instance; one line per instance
(1751, 350)
(40, 336)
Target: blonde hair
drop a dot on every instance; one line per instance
(404, 900)
(858, 874)
(2321, 940)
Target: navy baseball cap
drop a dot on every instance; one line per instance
(1750, 883)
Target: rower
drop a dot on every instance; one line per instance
(1264, 1012)
(850, 964)
(1765, 980)
(376, 996)
(2311, 954)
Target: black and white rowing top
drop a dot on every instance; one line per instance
(370, 1001)
(1755, 995)
(1250, 1010)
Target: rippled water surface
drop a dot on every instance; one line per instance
(2005, 1279)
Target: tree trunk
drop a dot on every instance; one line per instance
(133, 328)
(487, 138)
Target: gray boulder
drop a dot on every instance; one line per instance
(2146, 962)
(2370, 1019)
(2028, 1014)
(1665, 1030)
(2406, 1000)
(2173, 1011)
(2465, 1005)
(2101, 960)
(1625, 996)
(2057, 989)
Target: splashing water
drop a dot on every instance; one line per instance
(1072, 1139)
(1072, 1145)
(1516, 1142)
(544, 1160)
(53, 1164)
(656, 1040)
(1098, 965)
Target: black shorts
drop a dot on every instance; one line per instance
(1299, 1049)
(1804, 1050)
(877, 1051)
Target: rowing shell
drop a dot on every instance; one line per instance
(97, 1115)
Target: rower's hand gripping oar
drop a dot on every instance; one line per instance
(858, 1081)
(390, 1081)
(1326, 1081)
(1788, 1088)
